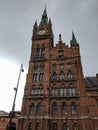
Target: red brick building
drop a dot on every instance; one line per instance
(56, 96)
(4, 119)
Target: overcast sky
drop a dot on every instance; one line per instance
(17, 18)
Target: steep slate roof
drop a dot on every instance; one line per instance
(91, 82)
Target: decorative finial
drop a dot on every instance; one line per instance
(60, 38)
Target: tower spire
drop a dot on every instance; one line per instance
(74, 38)
(44, 19)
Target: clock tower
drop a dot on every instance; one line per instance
(55, 95)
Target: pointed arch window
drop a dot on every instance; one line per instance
(61, 66)
(69, 66)
(54, 126)
(62, 76)
(41, 67)
(37, 126)
(35, 67)
(43, 51)
(64, 127)
(53, 66)
(54, 76)
(32, 109)
(72, 91)
(30, 126)
(63, 91)
(64, 108)
(61, 53)
(54, 108)
(41, 76)
(73, 108)
(75, 126)
(39, 109)
(35, 76)
(38, 51)
(70, 75)
(54, 90)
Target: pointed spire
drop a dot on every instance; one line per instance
(45, 12)
(35, 25)
(44, 19)
(73, 37)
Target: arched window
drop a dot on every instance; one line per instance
(63, 91)
(54, 90)
(61, 66)
(61, 53)
(54, 76)
(53, 66)
(35, 67)
(40, 90)
(41, 67)
(62, 76)
(75, 126)
(32, 109)
(37, 126)
(39, 109)
(73, 108)
(41, 76)
(54, 108)
(30, 126)
(35, 76)
(64, 108)
(43, 51)
(69, 65)
(71, 91)
(38, 51)
(70, 76)
(54, 126)
(64, 127)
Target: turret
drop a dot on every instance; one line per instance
(74, 45)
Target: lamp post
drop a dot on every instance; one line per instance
(11, 126)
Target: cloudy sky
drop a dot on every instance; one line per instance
(16, 23)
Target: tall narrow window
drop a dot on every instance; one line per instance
(54, 76)
(39, 109)
(64, 127)
(30, 126)
(61, 53)
(63, 92)
(54, 126)
(75, 126)
(70, 76)
(62, 77)
(37, 126)
(73, 108)
(64, 108)
(41, 76)
(54, 90)
(32, 109)
(35, 76)
(72, 91)
(43, 52)
(37, 52)
(54, 108)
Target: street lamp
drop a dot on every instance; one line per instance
(11, 125)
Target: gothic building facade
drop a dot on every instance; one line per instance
(55, 94)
